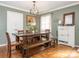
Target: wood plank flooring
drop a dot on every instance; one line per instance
(61, 51)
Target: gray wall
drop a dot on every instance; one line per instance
(58, 15)
(2, 25)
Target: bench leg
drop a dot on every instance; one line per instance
(25, 53)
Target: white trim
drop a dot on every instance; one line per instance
(73, 4)
(3, 45)
(76, 45)
(62, 43)
(2, 4)
(67, 44)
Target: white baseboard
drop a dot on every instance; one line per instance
(76, 45)
(67, 44)
(62, 43)
(3, 45)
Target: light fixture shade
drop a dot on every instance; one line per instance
(34, 10)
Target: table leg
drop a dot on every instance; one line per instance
(47, 36)
(17, 39)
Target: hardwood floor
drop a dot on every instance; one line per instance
(61, 51)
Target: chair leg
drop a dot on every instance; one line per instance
(54, 44)
(9, 54)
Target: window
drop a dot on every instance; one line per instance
(14, 22)
(45, 22)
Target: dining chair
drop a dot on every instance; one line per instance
(29, 39)
(20, 31)
(24, 38)
(24, 31)
(28, 31)
(44, 36)
(11, 44)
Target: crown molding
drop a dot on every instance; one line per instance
(2, 4)
(73, 4)
(42, 12)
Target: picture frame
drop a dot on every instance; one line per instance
(69, 19)
(31, 19)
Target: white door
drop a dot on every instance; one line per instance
(14, 22)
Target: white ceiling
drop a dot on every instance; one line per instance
(43, 6)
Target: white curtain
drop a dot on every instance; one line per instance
(45, 22)
(14, 22)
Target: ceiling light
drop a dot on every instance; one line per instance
(34, 10)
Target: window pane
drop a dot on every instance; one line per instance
(45, 22)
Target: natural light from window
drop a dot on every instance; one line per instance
(45, 22)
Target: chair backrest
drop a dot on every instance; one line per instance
(47, 30)
(20, 31)
(9, 44)
(28, 31)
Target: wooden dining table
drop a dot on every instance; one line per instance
(37, 34)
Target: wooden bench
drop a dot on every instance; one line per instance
(27, 47)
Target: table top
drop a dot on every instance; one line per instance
(30, 34)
